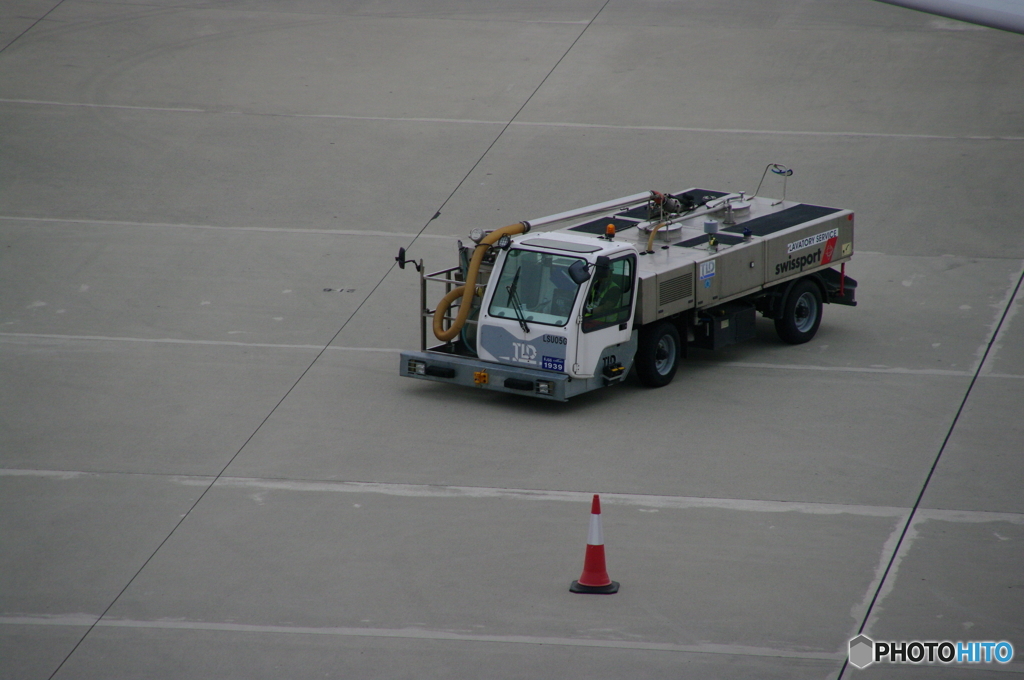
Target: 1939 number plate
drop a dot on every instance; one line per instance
(552, 363)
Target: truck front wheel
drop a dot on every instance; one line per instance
(657, 356)
(802, 314)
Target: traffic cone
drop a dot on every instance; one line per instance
(595, 577)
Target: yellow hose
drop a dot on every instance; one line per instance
(650, 239)
(467, 291)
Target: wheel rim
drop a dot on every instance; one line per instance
(805, 314)
(665, 355)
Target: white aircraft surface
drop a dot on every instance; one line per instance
(1007, 15)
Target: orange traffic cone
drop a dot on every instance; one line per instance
(595, 577)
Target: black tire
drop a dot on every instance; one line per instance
(657, 356)
(802, 314)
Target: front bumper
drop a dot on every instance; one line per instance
(486, 375)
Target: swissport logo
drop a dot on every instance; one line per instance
(798, 263)
(864, 651)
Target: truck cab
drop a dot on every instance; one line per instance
(563, 304)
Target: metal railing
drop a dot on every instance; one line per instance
(452, 279)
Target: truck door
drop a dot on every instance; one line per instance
(605, 318)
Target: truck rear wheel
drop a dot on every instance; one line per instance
(657, 356)
(802, 314)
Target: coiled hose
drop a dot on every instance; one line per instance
(467, 290)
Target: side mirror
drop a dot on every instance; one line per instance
(402, 261)
(578, 272)
(603, 268)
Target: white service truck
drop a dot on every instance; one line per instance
(559, 313)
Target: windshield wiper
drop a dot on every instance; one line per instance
(513, 301)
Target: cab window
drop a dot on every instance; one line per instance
(535, 286)
(610, 300)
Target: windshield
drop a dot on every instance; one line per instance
(535, 288)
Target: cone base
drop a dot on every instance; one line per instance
(612, 587)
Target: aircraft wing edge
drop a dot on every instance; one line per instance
(1005, 15)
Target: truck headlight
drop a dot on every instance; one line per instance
(417, 367)
(545, 387)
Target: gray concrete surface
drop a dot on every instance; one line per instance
(209, 466)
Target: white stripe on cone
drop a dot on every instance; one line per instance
(596, 535)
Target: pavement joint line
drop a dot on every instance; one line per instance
(40, 102)
(883, 567)
(55, 474)
(487, 493)
(1001, 323)
(414, 634)
(393, 350)
(781, 133)
(179, 341)
(32, 25)
(891, 560)
(839, 369)
(212, 227)
(557, 124)
(610, 498)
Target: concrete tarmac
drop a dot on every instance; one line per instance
(209, 466)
